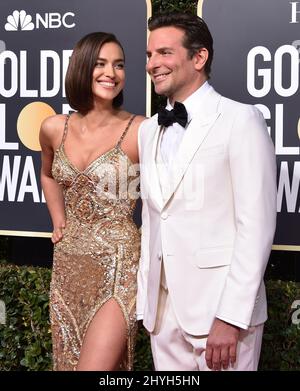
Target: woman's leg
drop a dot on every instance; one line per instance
(105, 340)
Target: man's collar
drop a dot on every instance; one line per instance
(192, 102)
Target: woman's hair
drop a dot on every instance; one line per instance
(196, 32)
(78, 82)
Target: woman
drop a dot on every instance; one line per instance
(90, 184)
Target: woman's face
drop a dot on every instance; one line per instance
(109, 74)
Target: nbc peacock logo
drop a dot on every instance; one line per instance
(19, 20)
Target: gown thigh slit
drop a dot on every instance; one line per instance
(130, 332)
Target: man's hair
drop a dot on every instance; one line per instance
(78, 82)
(197, 34)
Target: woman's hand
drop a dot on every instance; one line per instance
(57, 234)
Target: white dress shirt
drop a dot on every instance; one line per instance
(173, 134)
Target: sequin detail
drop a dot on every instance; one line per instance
(97, 259)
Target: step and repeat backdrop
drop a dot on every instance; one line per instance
(36, 41)
(257, 46)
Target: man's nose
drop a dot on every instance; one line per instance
(152, 63)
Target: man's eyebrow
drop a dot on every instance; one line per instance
(162, 49)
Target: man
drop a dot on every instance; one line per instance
(209, 210)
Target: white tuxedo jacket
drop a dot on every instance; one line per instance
(211, 220)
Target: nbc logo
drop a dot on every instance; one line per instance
(19, 20)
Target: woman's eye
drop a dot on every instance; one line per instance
(119, 66)
(99, 64)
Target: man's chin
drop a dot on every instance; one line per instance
(160, 91)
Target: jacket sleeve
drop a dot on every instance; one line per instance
(253, 174)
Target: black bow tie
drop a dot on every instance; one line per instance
(178, 114)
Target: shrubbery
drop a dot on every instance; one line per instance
(26, 337)
(281, 342)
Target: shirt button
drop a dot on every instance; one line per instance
(164, 215)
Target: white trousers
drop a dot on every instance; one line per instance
(175, 350)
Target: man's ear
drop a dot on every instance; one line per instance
(200, 58)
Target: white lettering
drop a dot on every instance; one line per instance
(265, 74)
(9, 180)
(24, 93)
(66, 108)
(43, 197)
(39, 20)
(280, 149)
(13, 72)
(54, 20)
(3, 144)
(9, 71)
(68, 26)
(295, 13)
(278, 71)
(28, 173)
(65, 63)
(45, 56)
(284, 187)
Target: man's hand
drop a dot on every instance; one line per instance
(221, 345)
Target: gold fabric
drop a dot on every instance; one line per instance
(97, 259)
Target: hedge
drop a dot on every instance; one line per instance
(26, 336)
(174, 5)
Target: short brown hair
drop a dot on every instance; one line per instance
(78, 82)
(196, 32)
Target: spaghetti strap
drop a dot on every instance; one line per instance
(125, 131)
(65, 129)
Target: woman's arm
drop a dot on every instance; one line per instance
(52, 190)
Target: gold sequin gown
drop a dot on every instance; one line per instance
(97, 259)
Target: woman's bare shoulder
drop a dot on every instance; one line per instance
(52, 129)
(139, 118)
(53, 123)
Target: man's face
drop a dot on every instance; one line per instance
(172, 71)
